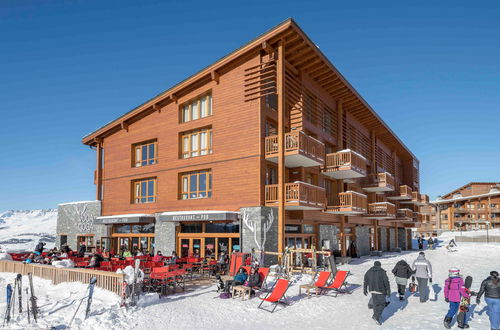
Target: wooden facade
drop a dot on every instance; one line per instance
(287, 131)
(474, 205)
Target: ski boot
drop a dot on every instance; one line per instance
(463, 326)
(447, 322)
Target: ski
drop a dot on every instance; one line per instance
(34, 307)
(133, 295)
(10, 292)
(93, 281)
(28, 306)
(19, 280)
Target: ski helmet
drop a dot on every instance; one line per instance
(453, 271)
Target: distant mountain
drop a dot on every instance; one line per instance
(21, 230)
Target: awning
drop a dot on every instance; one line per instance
(199, 216)
(125, 218)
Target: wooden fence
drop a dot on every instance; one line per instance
(106, 280)
(478, 239)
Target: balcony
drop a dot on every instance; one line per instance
(349, 203)
(382, 210)
(405, 214)
(495, 209)
(404, 193)
(345, 164)
(298, 196)
(300, 150)
(461, 209)
(424, 200)
(379, 182)
(415, 199)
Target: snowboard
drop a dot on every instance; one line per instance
(464, 303)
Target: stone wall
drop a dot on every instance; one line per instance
(392, 241)
(362, 240)
(383, 239)
(402, 238)
(259, 228)
(328, 236)
(165, 237)
(75, 219)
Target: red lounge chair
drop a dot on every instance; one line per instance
(321, 282)
(338, 283)
(277, 293)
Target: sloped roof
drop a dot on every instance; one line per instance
(303, 55)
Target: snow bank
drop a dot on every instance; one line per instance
(5, 256)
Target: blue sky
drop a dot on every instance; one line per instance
(430, 69)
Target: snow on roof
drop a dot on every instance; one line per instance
(444, 201)
(80, 202)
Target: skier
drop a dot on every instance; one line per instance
(423, 272)
(464, 304)
(402, 272)
(453, 292)
(491, 290)
(377, 283)
(39, 248)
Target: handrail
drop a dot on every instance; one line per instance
(382, 208)
(352, 199)
(381, 179)
(297, 192)
(345, 158)
(296, 141)
(106, 280)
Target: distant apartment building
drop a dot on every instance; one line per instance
(475, 205)
(268, 147)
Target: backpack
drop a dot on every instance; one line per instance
(225, 295)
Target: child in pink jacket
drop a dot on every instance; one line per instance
(453, 292)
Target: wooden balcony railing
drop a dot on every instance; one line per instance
(350, 202)
(296, 142)
(405, 191)
(379, 182)
(495, 209)
(298, 194)
(352, 164)
(383, 209)
(424, 199)
(415, 197)
(404, 213)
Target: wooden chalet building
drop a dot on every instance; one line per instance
(268, 147)
(475, 205)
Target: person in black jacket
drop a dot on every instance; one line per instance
(253, 279)
(39, 248)
(402, 271)
(377, 283)
(81, 250)
(491, 290)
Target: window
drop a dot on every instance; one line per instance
(196, 184)
(63, 240)
(196, 143)
(144, 191)
(88, 240)
(200, 107)
(144, 153)
(271, 129)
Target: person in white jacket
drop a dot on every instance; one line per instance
(423, 272)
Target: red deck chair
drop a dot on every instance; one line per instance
(321, 281)
(277, 293)
(338, 283)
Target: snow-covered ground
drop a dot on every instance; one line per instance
(199, 307)
(22, 230)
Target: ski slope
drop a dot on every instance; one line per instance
(22, 230)
(199, 307)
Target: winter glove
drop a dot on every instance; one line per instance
(447, 300)
(478, 301)
(413, 278)
(430, 280)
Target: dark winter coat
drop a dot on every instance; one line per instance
(376, 281)
(39, 247)
(402, 269)
(489, 288)
(254, 280)
(81, 250)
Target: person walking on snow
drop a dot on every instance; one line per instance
(377, 283)
(423, 272)
(430, 243)
(491, 290)
(453, 292)
(402, 272)
(420, 241)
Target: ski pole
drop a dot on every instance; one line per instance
(28, 306)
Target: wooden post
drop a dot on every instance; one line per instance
(340, 126)
(342, 236)
(99, 171)
(373, 141)
(280, 89)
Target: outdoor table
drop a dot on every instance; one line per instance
(242, 291)
(308, 288)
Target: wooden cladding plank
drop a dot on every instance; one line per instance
(260, 80)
